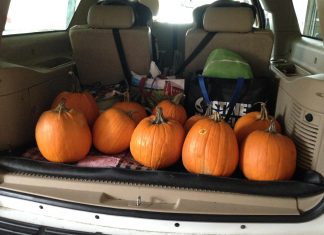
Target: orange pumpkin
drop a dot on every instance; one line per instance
(80, 101)
(195, 118)
(63, 135)
(157, 142)
(173, 109)
(191, 121)
(268, 155)
(253, 121)
(210, 148)
(112, 131)
(136, 110)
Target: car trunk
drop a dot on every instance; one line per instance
(31, 78)
(124, 187)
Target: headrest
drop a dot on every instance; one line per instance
(142, 14)
(111, 16)
(199, 12)
(228, 19)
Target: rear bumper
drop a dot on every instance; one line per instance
(45, 214)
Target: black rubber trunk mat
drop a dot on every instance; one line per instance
(305, 182)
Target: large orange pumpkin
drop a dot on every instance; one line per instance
(157, 142)
(112, 131)
(173, 109)
(136, 110)
(80, 101)
(210, 148)
(253, 121)
(268, 155)
(63, 135)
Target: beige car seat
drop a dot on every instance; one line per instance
(234, 31)
(94, 49)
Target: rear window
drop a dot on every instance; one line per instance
(308, 19)
(180, 11)
(39, 15)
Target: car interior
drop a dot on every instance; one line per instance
(35, 67)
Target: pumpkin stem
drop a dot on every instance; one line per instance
(131, 112)
(159, 119)
(264, 112)
(209, 111)
(216, 117)
(60, 108)
(177, 99)
(126, 96)
(272, 128)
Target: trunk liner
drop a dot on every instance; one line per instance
(305, 182)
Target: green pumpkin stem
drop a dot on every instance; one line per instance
(60, 108)
(159, 119)
(272, 128)
(177, 99)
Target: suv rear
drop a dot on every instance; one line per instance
(37, 195)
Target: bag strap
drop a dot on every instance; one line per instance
(203, 89)
(122, 57)
(233, 100)
(202, 44)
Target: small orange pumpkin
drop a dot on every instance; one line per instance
(195, 118)
(173, 109)
(210, 148)
(157, 142)
(80, 101)
(63, 135)
(268, 155)
(253, 121)
(136, 110)
(112, 131)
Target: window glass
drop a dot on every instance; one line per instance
(307, 15)
(180, 11)
(39, 15)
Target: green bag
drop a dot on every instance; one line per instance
(223, 63)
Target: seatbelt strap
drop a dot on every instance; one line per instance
(122, 57)
(196, 51)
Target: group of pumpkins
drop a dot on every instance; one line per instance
(207, 144)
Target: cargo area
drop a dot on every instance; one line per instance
(36, 67)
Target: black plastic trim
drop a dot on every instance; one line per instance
(311, 183)
(9, 226)
(304, 217)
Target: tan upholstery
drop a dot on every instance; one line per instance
(95, 52)
(254, 46)
(111, 16)
(228, 19)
